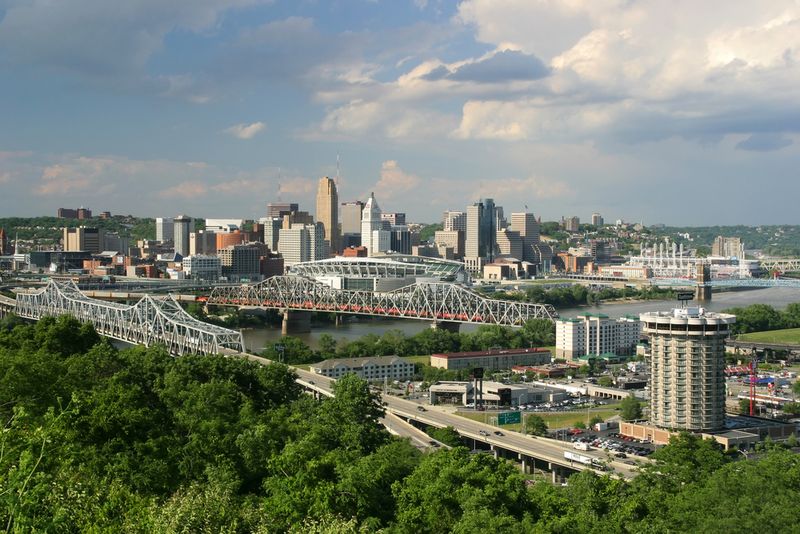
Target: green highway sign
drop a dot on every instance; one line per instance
(509, 418)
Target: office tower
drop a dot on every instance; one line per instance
(488, 228)
(453, 239)
(454, 221)
(394, 219)
(67, 213)
(297, 217)
(597, 220)
(328, 213)
(227, 239)
(164, 229)
(480, 245)
(728, 247)
(202, 267)
(372, 228)
(279, 209)
(113, 242)
(687, 364)
(272, 229)
(528, 228)
(400, 239)
(3, 242)
(182, 227)
(509, 243)
(202, 242)
(351, 217)
(84, 213)
(83, 239)
(241, 262)
(302, 242)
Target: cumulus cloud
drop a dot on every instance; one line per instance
(246, 131)
(503, 66)
(395, 180)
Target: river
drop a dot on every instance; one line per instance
(354, 327)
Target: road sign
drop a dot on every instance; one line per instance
(279, 347)
(509, 418)
(685, 295)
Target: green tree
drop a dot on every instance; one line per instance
(605, 381)
(792, 408)
(294, 351)
(535, 425)
(447, 435)
(631, 408)
(744, 406)
(327, 346)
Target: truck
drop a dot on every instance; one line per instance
(599, 427)
(581, 446)
(583, 459)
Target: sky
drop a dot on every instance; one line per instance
(660, 111)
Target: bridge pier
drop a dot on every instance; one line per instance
(450, 326)
(295, 322)
(702, 292)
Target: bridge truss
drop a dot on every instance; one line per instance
(426, 301)
(729, 282)
(151, 321)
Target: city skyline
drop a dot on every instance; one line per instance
(658, 113)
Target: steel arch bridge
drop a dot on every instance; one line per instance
(151, 321)
(427, 301)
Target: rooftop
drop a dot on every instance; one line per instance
(496, 352)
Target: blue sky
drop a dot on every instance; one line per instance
(656, 111)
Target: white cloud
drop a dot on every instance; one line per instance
(245, 131)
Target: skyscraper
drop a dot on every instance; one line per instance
(328, 212)
(597, 220)
(454, 220)
(687, 364)
(182, 226)
(83, 239)
(372, 232)
(279, 209)
(164, 229)
(528, 228)
(301, 242)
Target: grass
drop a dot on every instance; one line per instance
(553, 419)
(786, 336)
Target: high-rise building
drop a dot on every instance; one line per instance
(240, 262)
(571, 224)
(528, 228)
(454, 220)
(272, 230)
(164, 229)
(351, 217)
(372, 232)
(595, 333)
(597, 220)
(728, 247)
(67, 213)
(202, 242)
(84, 213)
(279, 209)
(182, 228)
(301, 242)
(687, 365)
(509, 243)
(83, 239)
(453, 239)
(480, 245)
(227, 239)
(224, 226)
(202, 267)
(112, 241)
(3, 242)
(400, 239)
(328, 213)
(394, 219)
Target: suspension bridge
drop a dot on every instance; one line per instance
(153, 320)
(434, 301)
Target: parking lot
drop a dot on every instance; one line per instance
(619, 446)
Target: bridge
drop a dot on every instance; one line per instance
(435, 301)
(153, 320)
(728, 282)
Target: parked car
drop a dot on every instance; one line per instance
(498, 433)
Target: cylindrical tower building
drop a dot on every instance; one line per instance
(687, 364)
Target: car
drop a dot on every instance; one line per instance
(433, 443)
(621, 455)
(421, 409)
(498, 433)
(483, 433)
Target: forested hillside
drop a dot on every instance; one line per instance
(100, 440)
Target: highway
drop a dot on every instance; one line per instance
(545, 449)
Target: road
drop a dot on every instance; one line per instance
(545, 449)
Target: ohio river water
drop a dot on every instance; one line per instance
(355, 327)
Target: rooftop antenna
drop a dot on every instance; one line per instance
(337, 172)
